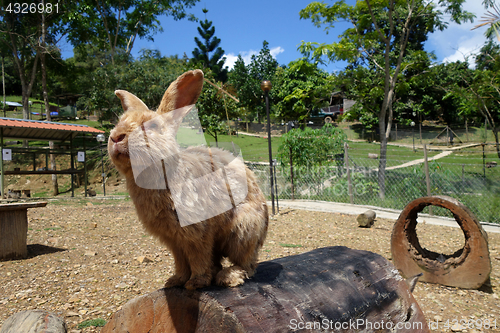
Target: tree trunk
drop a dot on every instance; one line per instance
(43, 50)
(20, 64)
(382, 162)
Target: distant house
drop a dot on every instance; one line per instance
(338, 106)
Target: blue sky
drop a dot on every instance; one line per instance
(243, 25)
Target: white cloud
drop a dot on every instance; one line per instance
(458, 42)
(247, 56)
(277, 50)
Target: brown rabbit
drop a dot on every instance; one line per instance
(237, 232)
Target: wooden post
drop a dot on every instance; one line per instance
(349, 182)
(2, 178)
(72, 166)
(14, 229)
(466, 131)
(420, 130)
(485, 130)
(85, 163)
(427, 176)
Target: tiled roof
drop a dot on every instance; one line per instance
(42, 130)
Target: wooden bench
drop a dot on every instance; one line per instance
(14, 229)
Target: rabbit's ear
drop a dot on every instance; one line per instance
(130, 101)
(182, 92)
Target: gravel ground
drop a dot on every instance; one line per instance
(88, 257)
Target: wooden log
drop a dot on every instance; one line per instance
(334, 288)
(34, 321)
(366, 219)
(14, 229)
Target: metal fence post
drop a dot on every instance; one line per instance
(349, 182)
(427, 176)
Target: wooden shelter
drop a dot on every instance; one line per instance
(63, 133)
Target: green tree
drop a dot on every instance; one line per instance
(20, 33)
(386, 36)
(147, 77)
(203, 53)
(215, 107)
(479, 95)
(246, 79)
(112, 25)
(301, 87)
(311, 146)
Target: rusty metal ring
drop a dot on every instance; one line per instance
(468, 267)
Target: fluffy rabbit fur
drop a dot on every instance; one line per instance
(198, 249)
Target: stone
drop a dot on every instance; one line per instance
(143, 259)
(90, 253)
(121, 285)
(34, 321)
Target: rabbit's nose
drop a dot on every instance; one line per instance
(118, 138)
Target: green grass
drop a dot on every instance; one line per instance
(98, 322)
(290, 245)
(253, 149)
(358, 152)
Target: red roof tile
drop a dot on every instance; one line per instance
(42, 130)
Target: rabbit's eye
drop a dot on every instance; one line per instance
(153, 127)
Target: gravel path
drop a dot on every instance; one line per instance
(87, 257)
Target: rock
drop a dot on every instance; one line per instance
(373, 156)
(143, 259)
(121, 285)
(438, 318)
(34, 321)
(336, 284)
(491, 164)
(50, 271)
(366, 219)
(90, 253)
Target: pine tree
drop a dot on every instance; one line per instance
(210, 43)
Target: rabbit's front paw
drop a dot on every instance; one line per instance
(231, 277)
(199, 281)
(175, 281)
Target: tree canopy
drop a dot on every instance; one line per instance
(208, 53)
(387, 38)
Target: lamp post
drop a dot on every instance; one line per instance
(101, 138)
(413, 134)
(266, 87)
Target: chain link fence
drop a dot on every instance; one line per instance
(461, 174)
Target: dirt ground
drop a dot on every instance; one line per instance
(85, 261)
